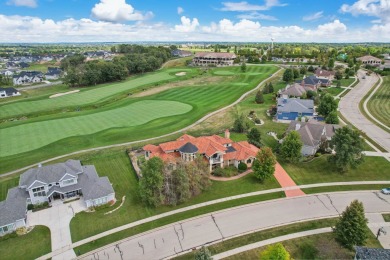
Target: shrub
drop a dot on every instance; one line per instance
(257, 121)
(317, 155)
(30, 206)
(242, 167)
(218, 172)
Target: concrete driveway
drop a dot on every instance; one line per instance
(349, 108)
(185, 235)
(57, 219)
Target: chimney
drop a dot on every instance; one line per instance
(227, 134)
(297, 126)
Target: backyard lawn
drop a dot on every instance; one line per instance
(379, 105)
(116, 165)
(30, 246)
(320, 170)
(124, 120)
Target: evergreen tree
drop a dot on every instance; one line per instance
(254, 137)
(351, 228)
(270, 88)
(243, 67)
(296, 73)
(203, 254)
(266, 89)
(259, 99)
(241, 124)
(288, 75)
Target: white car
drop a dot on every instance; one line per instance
(386, 191)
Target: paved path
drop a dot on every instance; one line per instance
(285, 181)
(349, 108)
(57, 219)
(377, 154)
(372, 225)
(185, 235)
(208, 203)
(148, 139)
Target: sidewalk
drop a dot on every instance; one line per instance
(285, 181)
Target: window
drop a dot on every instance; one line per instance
(39, 192)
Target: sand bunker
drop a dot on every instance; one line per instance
(66, 93)
(181, 73)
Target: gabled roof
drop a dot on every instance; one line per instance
(324, 73)
(50, 173)
(295, 105)
(313, 80)
(368, 58)
(9, 91)
(313, 132)
(14, 207)
(93, 186)
(295, 90)
(241, 151)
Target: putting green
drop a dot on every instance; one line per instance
(254, 73)
(224, 73)
(28, 137)
(87, 96)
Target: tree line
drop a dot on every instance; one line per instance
(134, 59)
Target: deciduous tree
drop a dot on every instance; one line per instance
(275, 252)
(348, 147)
(264, 165)
(327, 105)
(291, 147)
(288, 75)
(151, 182)
(203, 254)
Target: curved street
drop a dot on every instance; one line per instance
(349, 108)
(185, 235)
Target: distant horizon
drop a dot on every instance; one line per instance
(303, 21)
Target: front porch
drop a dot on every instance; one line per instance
(64, 196)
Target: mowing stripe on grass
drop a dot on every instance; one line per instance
(27, 137)
(83, 97)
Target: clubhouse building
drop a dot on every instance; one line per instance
(61, 181)
(214, 59)
(217, 151)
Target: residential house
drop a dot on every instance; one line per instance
(53, 73)
(324, 74)
(59, 181)
(292, 108)
(27, 77)
(181, 53)
(8, 92)
(314, 135)
(366, 253)
(214, 59)
(9, 72)
(370, 60)
(216, 150)
(293, 90)
(23, 65)
(314, 83)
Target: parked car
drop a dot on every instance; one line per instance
(386, 191)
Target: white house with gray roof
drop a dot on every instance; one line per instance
(59, 181)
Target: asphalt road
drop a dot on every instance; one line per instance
(185, 235)
(349, 108)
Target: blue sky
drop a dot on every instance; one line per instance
(196, 20)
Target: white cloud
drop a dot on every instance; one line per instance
(27, 3)
(245, 6)
(117, 11)
(187, 25)
(34, 29)
(256, 16)
(312, 17)
(180, 10)
(376, 8)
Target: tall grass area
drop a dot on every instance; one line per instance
(203, 99)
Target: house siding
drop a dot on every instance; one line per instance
(292, 115)
(100, 201)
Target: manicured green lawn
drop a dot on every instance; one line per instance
(203, 100)
(116, 166)
(322, 246)
(6, 184)
(343, 188)
(89, 95)
(386, 217)
(345, 82)
(30, 246)
(28, 137)
(333, 91)
(379, 105)
(320, 170)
